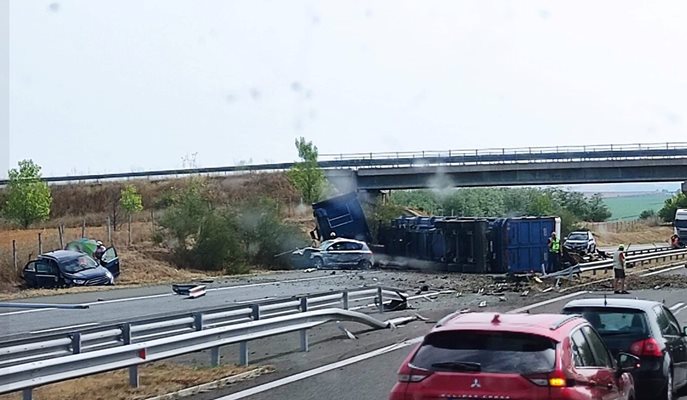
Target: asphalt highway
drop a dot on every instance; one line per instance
(373, 377)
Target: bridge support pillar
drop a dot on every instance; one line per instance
(373, 197)
(684, 187)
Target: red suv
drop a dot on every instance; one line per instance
(514, 356)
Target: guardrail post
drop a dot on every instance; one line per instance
(27, 394)
(76, 343)
(304, 332)
(243, 353)
(255, 312)
(198, 321)
(380, 298)
(214, 356)
(344, 298)
(133, 370)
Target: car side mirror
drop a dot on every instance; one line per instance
(627, 362)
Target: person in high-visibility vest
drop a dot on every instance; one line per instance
(554, 252)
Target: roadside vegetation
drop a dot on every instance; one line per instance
(572, 207)
(667, 213)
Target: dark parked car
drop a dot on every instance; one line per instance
(646, 329)
(514, 356)
(339, 253)
(71, 268)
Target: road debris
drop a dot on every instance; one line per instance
(348, 333)
(482, 304)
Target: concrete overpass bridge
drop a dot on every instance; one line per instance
(666, 162)
(562, 165)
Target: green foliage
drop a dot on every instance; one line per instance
(206, 236)
(28, 198)
(130, 200)
(306, 175)
(646, 214)
(667, 213)
(572, 207)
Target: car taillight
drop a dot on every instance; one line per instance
(412, 374)
(554, 379)
(647, 347)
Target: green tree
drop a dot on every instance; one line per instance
(598, 210)
(646, 214)
(306, 175)
(667, 213)
(28, 197)
(131, 202)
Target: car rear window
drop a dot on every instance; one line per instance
(613, 321)
(496, 352)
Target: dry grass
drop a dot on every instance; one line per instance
(644, 234)
(156, 379)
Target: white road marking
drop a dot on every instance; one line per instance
(316, 371)
(680, 310)
(663, 270)
(125, 299)
(545, 302)
(676, 306)
(62, 328)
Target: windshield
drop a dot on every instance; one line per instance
(614, 321)
(681, 223)
(496, 352)
(79, 264)
(577, 236)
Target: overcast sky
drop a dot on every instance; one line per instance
(109, 86)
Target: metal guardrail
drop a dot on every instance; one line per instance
(14, 351)
(422, 158)
(639, 257)
(28, 375)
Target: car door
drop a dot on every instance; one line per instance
(110, 260)
(331, 255)
(594, 379)
(47, 274)
(29, 274)
(676, 343)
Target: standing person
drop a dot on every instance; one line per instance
(554, 252)
(99, 250)
(619, 271)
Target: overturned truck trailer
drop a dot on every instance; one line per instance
(477, 245)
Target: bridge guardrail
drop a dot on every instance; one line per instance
(422, 158)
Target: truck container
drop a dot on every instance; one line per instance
(520, 245)
(342, 217)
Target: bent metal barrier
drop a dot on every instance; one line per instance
(28, 375)
(38, 350)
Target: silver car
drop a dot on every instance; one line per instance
(342, 253)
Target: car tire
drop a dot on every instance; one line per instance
(668, 390)
(364, 265)
(318, 263)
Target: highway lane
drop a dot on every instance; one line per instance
(161, 300)
(372, 378)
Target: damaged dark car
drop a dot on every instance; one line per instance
(65, 268)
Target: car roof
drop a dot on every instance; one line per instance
(554, 326)
(61, 255)
(636, 304)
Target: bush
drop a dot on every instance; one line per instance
(667, 213)
(646, 214)
(208, 237)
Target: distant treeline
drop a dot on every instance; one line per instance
(572, 207)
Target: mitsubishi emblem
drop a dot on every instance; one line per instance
(475, 384)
